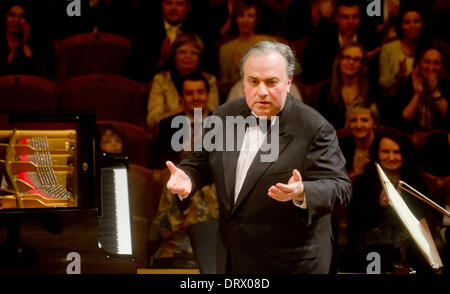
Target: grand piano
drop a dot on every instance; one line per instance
(64, 206)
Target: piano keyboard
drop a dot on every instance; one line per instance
(114, 232)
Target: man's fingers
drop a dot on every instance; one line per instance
(171, 166)
(175, 189)
(276, 197)
(297, 176)
(284, 188)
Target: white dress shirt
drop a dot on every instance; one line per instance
(253, 139)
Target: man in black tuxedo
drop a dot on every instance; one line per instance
(274, 215)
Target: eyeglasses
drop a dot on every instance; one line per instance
(348, 58)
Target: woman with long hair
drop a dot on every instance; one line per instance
(397, 57)
(348, 83)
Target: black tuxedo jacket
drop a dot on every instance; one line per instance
(258, 234)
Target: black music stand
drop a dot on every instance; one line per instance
(418, 230)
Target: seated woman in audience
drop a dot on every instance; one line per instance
(361, 119)
(20, 51)
(423, 101)
(164, 99)
(397, 57)
(373, 225)
(230, 53)
(348, 83)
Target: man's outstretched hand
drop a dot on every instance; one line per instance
(293, 190)
(179, 183)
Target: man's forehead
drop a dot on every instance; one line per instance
(346, 10)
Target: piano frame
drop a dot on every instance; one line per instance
(40, 240)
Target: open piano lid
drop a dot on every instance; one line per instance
(49, 238)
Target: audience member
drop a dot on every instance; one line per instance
(386, 29)
(361, 119)
(224, 13)
(303, 17)
(230, 53)
(164, 98)
(111, 139)
(348, 83)
(187, 236)
(397, 57)
(324, 43)
(157, 25)
(423, 101)
(373, 225)
(21, 51)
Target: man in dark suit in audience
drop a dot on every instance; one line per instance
(195, 91)
(275, 203)
(157, 25)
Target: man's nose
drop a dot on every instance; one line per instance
(262, 90)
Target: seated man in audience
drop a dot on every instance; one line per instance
(155, 34)
(186, 237)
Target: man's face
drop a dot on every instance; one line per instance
(347, 19)
(195, 95)
(175, 11)
(266, 83)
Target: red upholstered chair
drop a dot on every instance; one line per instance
(112, 97)
(23, 92)
(89, 53)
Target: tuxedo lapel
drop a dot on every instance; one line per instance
(230, 158)
(258, 167)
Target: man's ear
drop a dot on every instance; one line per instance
(289, 84)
